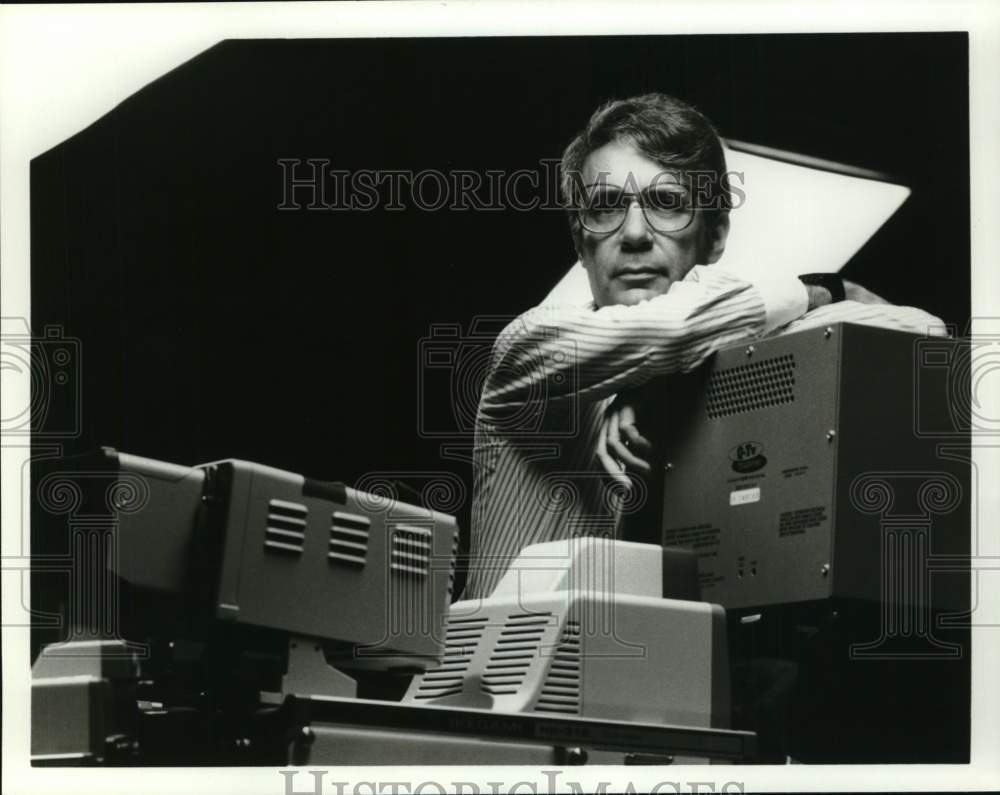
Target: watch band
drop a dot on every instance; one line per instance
(831, 281)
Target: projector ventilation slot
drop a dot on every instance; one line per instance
(411, 550)
(749, 387)
(561, 691)
(348, 538)
(462, 635)
(454, 557)
(286, 527)
(514, 652)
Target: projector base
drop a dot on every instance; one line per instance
(359, 731)
(98, 707)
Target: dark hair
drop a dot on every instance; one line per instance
(664, 129)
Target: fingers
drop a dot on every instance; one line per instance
(612, 466)
(618, 447)
(637, 444)
(621, 446)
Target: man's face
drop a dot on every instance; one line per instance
(636, 263)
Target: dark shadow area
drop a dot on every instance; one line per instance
(214, 325)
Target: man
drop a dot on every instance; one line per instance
(648, 206)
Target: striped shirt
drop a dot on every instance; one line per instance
(555, 370)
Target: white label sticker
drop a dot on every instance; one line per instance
(744, 496)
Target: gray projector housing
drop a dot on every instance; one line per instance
(277, 550)
(822, 464)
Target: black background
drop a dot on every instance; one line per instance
(213, 325)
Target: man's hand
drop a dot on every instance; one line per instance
(855, 292)
(620, 446)
(820, 296)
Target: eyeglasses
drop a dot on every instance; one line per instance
(666, 208)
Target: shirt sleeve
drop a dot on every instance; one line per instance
(889, 316)
(553, 351)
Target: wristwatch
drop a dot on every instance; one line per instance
(831, 281)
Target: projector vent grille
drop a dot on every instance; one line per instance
(515, 650)
(286, 527)
(462, 635)
(753, 386)
(454, 557)
(561, 691)
(348, 538)
(411, 550)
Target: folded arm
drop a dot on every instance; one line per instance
(889, 316)
(595, 353)
(622, 447)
